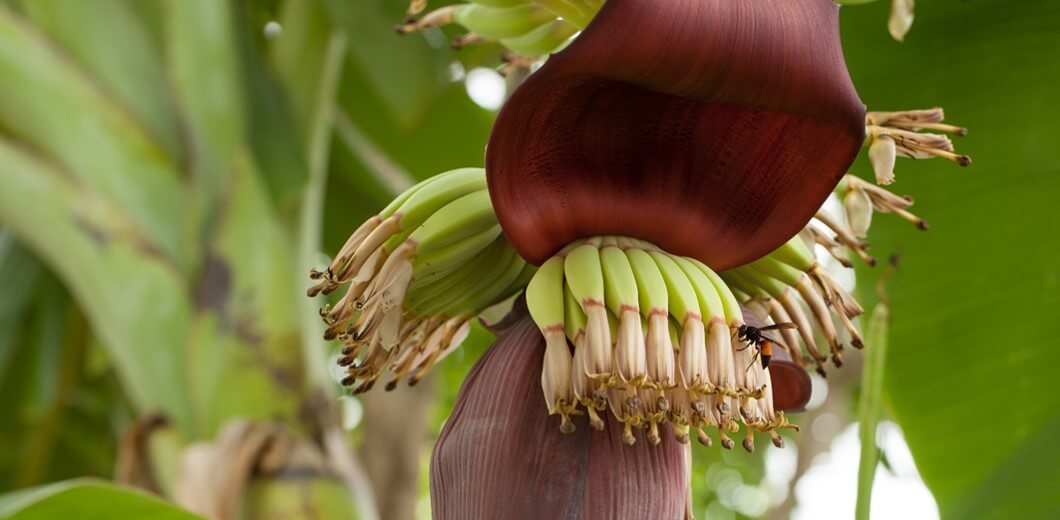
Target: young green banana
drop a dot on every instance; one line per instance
(547, 38)
(587, 391)
(654, 306)
(424, 301)
(431, 266)
(575, 13)
(717, 364)
(585, 278)
(499, 3)
(729, 302)
(622, 299)
(795, 253)
(392, 225)
(783, 295)
(545, 300)
(461, 218)
(813, 293)
(496, 289)
(694, 364)
(496, 23)
(464, 217)
(684, 307)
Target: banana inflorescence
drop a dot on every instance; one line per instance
(526, 27)
(787, 283)
(652, 336)
(416, 275)
(889, 135)
(897, 134)
(653, 341)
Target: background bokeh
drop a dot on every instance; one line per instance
(169, 171)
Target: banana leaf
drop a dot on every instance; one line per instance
(976, 298)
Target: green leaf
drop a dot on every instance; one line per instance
(310, 219)
(201, 348)
(976, 299)
(87, 499)
(19, 273)
(132, 294)
(62, 415)
(243, 350)
(272, 127)
(53, 106)
(451, 135)
(406, 73)
(206, 80)
(117, 48)
(297, 56)
(870, 404)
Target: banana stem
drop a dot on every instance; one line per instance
(870, 406)
(389, 174)
(311, 223)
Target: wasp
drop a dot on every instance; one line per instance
(763, 344)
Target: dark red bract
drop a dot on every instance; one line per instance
(500, 455)
(713, 128)
(791, 386)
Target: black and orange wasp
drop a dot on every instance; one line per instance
(763, 344)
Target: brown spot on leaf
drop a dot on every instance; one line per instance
(215, 287)
(214, 294)
(97, 235)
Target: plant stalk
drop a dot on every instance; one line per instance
(387, 172)
(870, 404)
(310, 228)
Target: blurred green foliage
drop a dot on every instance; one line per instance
(158, 159)
(61, 401)
(87, 499)
(975, 299)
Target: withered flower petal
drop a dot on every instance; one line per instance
(712, 129)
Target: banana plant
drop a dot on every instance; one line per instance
(616, 170)
(167, 162)
(169, 165)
